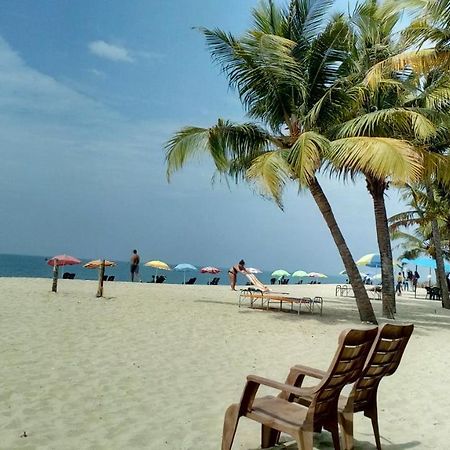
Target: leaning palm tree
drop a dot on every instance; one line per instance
(379, 111)
(281, 68)
(287, 70)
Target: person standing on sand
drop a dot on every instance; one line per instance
(232, 273)
(134, 266)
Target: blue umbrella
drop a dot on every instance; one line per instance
(425, 262)
(183, 268)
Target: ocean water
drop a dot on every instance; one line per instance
(37, 267)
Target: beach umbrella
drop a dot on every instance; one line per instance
(316, 275)
(425, 262)
(210, 269)
(96, 263)
(370, 260)
(299, 274)
(157, 265)
(57, 261)
(63, 260)
(374, 260)
(280, 273)
(183, 268)
(253, 270)
(99, 264)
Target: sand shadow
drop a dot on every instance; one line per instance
(324, 442)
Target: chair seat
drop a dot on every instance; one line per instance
(278, 413)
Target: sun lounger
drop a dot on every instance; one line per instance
(266, 298)
(280, 414)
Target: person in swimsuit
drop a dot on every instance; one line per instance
(134, 266)
(232, 273)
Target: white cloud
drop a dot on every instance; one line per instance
(109, 51)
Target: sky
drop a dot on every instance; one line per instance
(90, 91)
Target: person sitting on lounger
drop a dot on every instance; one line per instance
(232, 273)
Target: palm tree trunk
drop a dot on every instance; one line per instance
(440, 268)
(365, 309)
(377, 189)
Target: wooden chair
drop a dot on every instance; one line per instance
(280, 414)
(383, 360)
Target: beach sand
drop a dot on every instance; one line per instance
(154, 366)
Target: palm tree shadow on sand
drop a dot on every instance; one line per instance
(324, 442)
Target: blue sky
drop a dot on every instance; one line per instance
(89, 93)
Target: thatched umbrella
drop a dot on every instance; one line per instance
(100, 264)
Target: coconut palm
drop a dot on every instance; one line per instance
(294, 80)
(429, 214)
(380, 111)
(286, 71)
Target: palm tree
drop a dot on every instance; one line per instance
(292, 78)
(286, 71)
(429, 214)
(379, 112)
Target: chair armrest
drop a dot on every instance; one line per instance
(280, 386)
(309, 371)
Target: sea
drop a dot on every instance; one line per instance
(37, 267)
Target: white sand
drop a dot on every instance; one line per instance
(155, 366)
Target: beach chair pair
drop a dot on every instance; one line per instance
(68, 276)
(363, 357)
(214, 281)
(109, 278)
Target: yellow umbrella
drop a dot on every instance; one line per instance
(157, 265)
(96, 263)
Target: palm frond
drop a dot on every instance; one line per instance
(376, 157)
(388, 122)
(421, 61)
(306, 18)
(270, 172)
(225, 142)
(262, 69)
(305, 155)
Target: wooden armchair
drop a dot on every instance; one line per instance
(280, 414)
(383, 360)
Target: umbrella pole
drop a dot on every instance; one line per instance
(55, 277)
(415, 286)
(101, 273)
(184, 277)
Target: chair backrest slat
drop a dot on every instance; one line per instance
(346, 367)
(383, 360)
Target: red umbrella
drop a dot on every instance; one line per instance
(63, 260)
(57, 261)
(209, 269)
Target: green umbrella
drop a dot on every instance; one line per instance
(300, 274)
(280, 273)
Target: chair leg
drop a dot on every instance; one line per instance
(372, 413)
(305, 440)
(230, 426)
(346, 422)
(335, 435)
(269, 437)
